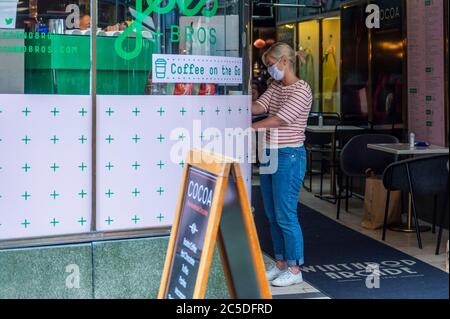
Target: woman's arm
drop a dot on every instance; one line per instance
(258, 109)
(261, 105)
(268, 123)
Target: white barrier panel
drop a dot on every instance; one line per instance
(138, 180)
(46, 158)
(45, 165)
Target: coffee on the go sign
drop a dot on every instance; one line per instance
(169, 68)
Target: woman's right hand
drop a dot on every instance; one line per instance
(258, 109)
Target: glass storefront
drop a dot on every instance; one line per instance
(89, 119)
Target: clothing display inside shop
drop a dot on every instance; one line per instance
(330, 75)
(307, 67)
(310, 57)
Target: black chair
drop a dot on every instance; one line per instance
(342, 135)
(441, 224)
(318, 143)
(356, 159)
(419, 176)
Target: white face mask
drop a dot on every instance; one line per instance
(275, 72)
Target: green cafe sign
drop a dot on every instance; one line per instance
(206, 8)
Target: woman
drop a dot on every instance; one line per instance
(288, 103)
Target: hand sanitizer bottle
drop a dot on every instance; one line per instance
(321, 120)
(412, 140)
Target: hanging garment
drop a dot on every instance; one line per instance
(330, 74)
(307, 70)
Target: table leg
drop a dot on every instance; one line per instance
(332, 197)
(409, 226)
(333, 170)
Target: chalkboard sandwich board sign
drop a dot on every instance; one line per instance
(213, 207)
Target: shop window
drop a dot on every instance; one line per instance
(55, 106)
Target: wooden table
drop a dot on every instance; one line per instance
(405, 150)
(331, 129)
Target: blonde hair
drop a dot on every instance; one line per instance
(279, 50)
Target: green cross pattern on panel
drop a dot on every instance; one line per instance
(25, 223)
(26, 139)
(136, 192)
(83, 112)
(26, 111)
(136, 111)
(55, 112)
(109, 139)
(136, 138)
(54, 195)
(161, 111)
(135, 219)
(82, 139)
(54, 222)
(82, 193)
(161, 138)
(109, 193)
(54, 167)
(136, 166)
(26, 195)
(54, 139)
(132, 141)
(82, 166)
(26, 168)
(109, 111)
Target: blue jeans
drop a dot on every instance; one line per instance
(280, 192)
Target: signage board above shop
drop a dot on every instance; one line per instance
(169, 68)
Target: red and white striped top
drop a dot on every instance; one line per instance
(292, 104)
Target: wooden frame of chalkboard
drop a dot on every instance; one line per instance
(207, 216)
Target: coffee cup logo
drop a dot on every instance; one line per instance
(207, 8)
(160, 68)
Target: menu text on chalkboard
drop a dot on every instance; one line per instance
(196, 208)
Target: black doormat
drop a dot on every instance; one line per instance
(337, 260)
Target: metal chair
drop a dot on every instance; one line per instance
(318, 143)
(342, 135)
(419, 176)
(356, 159)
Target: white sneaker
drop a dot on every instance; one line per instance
(273, 273)
(287, 278)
